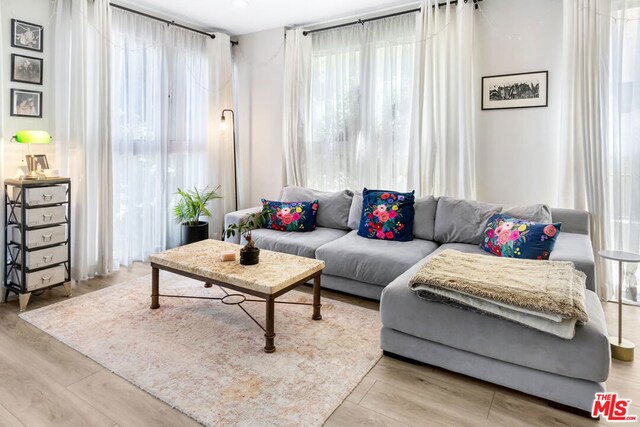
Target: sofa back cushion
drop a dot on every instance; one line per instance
(535, 213)
(425, 217)
(355, 211)
(462, 221)
(333, 207)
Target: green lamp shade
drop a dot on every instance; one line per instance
(32, 137)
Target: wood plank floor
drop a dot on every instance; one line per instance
(45, 383)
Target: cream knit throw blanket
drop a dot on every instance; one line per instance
(549, 287)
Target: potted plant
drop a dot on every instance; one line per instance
(249, 254)
(191, 206)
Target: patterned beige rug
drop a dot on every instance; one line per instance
(205, 358)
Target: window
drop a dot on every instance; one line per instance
(362, 81)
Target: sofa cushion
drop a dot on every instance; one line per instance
(461, 221)
(586, 356)
(369, 260)
(355, 211)
(506, 236)
(425, 217)
(291, 242)
(387, 215)
(577, 248)
(290, 216)
(535, 213)
(333, 207)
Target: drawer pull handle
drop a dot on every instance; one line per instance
(47, 217)
(47, 237)
(47, 257)
(47, 197)
(46, 279)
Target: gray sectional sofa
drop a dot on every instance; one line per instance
(568, 372)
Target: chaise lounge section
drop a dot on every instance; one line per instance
(568, 372)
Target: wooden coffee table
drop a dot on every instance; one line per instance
(275, 275)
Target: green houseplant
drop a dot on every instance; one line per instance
(249, 254)
(190, 207)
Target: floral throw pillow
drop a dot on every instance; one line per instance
(290, 216)
(510, 237)
(387, 215)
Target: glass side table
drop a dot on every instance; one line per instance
(621, 349)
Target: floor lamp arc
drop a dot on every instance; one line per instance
(223, 125)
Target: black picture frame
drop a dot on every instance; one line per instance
(26, 69)
(26, 35)
(33, 108)
(504, 98)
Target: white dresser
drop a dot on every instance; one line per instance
(37, 237)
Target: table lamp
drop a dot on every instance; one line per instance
(32, 137)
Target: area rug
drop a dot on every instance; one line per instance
(205, 358)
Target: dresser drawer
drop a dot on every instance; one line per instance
(41, 237)
(42, 278)
(40, 195)
(43, 257)
(43, 216)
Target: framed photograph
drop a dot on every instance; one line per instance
(26, 69)
(26, 103)
(35, 161)
(26, 35)
(523, 90)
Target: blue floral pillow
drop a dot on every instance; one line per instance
(510, 237)
(290, 216)
(387, 215)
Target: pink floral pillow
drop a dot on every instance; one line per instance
(506, 236)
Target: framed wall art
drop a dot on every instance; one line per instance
(26, 103)
(522, 90)
(26, 35)
(26, 69)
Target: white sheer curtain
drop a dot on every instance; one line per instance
(82, 128)
(585, 111)
(169, 88)
(220, 142)
(444, 152)
(624, 136)
(360, 106)
(297, 80)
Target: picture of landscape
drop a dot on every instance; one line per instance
(522, 90)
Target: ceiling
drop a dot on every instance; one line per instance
(257, 15)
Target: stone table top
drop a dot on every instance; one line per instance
(274, 272)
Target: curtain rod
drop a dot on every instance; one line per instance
(146, 15)
(362, 21)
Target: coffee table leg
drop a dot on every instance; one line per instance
(155, 288)
(316, 299)
(269, 335)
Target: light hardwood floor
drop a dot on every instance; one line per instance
(43, 382)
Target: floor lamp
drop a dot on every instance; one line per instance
(223, 125)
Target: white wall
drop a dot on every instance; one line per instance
(259, 62)
(517, 150)
(37, 12)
